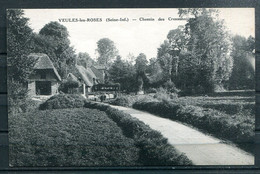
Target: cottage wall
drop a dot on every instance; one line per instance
(31, 88)
(54, 87)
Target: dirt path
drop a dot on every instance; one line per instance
(200, 148)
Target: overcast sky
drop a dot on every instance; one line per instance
(133, 36)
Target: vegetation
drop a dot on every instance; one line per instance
(68, 86)
(128, 100)
(243, 74)
(69, 137)
(107, 51)
(234, 122)
(154, 148)
(62, 101)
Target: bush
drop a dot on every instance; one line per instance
(211, 121)
(69, 137)
(154, 148)
(68, 86)
(170, 87)
(162, 94)
(151, 90)
(63, 101)
(121, 101)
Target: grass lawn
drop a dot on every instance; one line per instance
(69, 137)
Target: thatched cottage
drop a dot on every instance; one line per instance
(45, 80)
(88, 77)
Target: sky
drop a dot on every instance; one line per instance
(134, 36)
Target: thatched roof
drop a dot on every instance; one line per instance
(71, 77)
(98, 73)
(44, 62)
(86, 74)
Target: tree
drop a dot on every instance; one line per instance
(209, 48)
(155, 72)
(107, 51)
(243, 74)
(53, 40)
(123, 73)
(141, 66)
(19, 46)
(165, 60)
(141, 63)
(84, 60)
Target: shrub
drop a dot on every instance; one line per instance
(68, 86)
(162, 94)
(211, 121)
(69, 137)
(121, 101)
(170, 87)
(151, 90)
(154, 148)
(63, 101)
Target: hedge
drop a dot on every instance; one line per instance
(69, 137)
(63, 101)
(154, 148)
(211, 121)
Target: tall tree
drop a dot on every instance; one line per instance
(209, 46)
(122, 72)
(242, 76)
(84, 60)
(141, 66)
(107, 51)
(53, 40)
(19, 46)
(166, 60)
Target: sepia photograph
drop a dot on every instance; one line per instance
(131, 87)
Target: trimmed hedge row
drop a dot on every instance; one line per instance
(63, 101)
(69, 137)
(211, 121)
(154, 148)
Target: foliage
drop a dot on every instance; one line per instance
(69, 137)
(196, 57)
(156, 73)
(243, 74)
(210, 117)
(164, 94)
(209, 47)
(154, 148)
(129, 100)
(19, 45)
(107, 51)
(140, 67)
(67, 86)
(123, 73)
(53, 40)
(84, 60)
(63, 101)
(121, 101)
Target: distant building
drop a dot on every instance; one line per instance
(45, 80)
